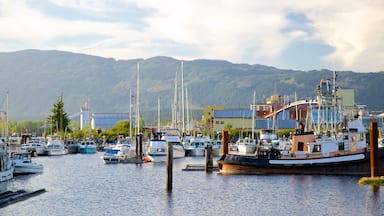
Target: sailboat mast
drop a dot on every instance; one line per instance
(138, 99)
(6, 119)
(335, 99)
(174, 108)
(130, 112)
(187, 104)
(253, 114)
(158, 114)
(182, 99)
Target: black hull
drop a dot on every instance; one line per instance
(253, 165)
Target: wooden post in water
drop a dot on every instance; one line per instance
(140, 158)
(169, 166)
(137, 147)
(225, 142)
(208, 157)
(374, 158)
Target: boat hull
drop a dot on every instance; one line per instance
(73, 149)
(110, 159)
(195, 152)
(359, 165)
(28, 169)
(56, 152)
(7, 174)
(88, 150)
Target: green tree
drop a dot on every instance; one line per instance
(58, 119)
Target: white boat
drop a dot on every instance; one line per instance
(178, 148)
(6, 164)
(156, 151)
(24, 165)
(216, 148)
(88, 147)
(35, 146)
(246, 146)
(268, 139)
(111, 156)
(55, 147)
(196, 147)
(127, 151)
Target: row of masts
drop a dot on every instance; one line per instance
(179, 107)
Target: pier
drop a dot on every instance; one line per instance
(10, 197)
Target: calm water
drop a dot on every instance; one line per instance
(83, 185)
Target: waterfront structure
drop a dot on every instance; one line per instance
(103, 121)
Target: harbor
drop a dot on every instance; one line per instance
(95, 188)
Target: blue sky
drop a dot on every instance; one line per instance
(292, 34)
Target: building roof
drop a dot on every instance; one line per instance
(235, 113)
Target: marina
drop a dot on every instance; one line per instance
(95, 188)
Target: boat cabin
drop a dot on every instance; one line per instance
(305, 144)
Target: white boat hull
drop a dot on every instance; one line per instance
(6, 174)
(246, 148)
(28, 168)
(195, 152)
(56, 152)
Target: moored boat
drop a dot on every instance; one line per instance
(55, 147)
(88, 147)
(216, 148)
(156, 151)
(72, 146)
(35, 146)
(6, 164)
(178, 148)
(111, 156)
(346, 155)
(24, 164)
(246, 146)
(127, 151)
(196, 147)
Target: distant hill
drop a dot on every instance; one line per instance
(35, 79)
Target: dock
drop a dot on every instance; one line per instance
(10, 197)
(198, 167)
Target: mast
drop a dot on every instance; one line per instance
(6, 120)
(334, 99)
(130, 112)
(138, 99)
(174, 107)
(182, 99)
(297, 117)
(61, 114)
(253, 115)
(158, 114)
(187, 104)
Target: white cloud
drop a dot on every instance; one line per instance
(239, 31)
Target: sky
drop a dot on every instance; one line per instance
(292, 34)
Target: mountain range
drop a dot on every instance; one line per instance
(35, 79)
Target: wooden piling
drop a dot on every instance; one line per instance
(140, 147)
(137, 147)
(208, 158)
(225, 142)
(374, 150)
(169, 166)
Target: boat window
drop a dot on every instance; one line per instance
(341, 146)
(316, 148)
(345, 137)
(300, 146)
